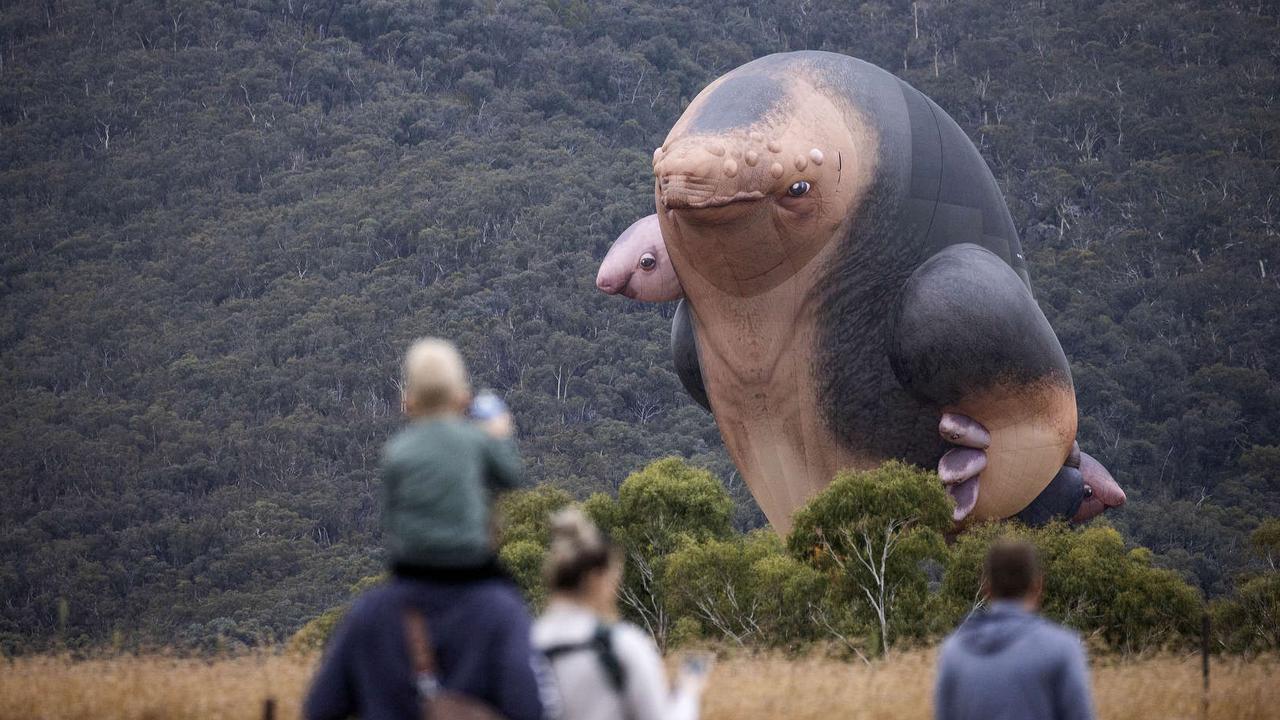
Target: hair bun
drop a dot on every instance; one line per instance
(577, 548)
(573, 531)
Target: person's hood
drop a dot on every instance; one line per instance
(992, 631)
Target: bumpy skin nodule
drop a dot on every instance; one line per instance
(850, 270)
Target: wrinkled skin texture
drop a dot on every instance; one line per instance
(850, 274)
(638, 267)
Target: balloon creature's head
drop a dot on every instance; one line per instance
(758, 176)
(637, 266)
(1101, 491)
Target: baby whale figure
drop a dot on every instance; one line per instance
(853, 291)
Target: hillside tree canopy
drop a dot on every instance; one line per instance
(222, 223)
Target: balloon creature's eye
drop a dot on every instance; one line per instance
(798, 188)
(1088, 492)
(648, 261)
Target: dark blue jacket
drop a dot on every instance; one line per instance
(1010, 664)
(480, 633)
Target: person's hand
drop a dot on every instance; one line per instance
(499, 426)
(694, 671)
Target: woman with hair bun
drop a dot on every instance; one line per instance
(605, 669)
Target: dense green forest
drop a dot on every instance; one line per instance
(223, 221)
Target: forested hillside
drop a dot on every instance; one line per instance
(223, 221)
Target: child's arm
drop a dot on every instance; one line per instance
(503, 468)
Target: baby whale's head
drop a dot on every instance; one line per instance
(764, 170)
(1101, 491)
(637, 266)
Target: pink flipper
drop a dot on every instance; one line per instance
(963, 430)
(960, 467)
(966, 496)
(961, 463)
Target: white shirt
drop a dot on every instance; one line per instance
(583, 687)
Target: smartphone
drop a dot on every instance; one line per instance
(486, 405)
(696, 664)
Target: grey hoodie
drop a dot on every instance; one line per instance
(1010, 664)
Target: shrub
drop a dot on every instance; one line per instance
(660, 508)
(875, 535)
(744, 589)
(1249, 621)
(1092, 583)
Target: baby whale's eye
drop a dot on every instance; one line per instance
(648, 261)
(798, 188)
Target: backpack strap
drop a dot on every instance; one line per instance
(438, 702)
(421, 658)
(601, 642)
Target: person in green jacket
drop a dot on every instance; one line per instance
(440, 472)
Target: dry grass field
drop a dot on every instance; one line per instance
(741, 688)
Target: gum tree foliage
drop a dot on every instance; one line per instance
(222, 222)
(873, 534)
(1094, 583)
(524, 519)
(312, 636)
(756, 590)
(1265, 542)
(1249, 620)
(745, 590)
(666, 505)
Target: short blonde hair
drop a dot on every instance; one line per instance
(434, 375)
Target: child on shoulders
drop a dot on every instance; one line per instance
(440, 472)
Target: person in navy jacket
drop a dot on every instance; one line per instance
(480, 635)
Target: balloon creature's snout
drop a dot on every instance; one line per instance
(686, 191)
(1101, 491)
(705, 172)
(609, 283)
(637, 265)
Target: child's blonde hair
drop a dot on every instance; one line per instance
(435, 377)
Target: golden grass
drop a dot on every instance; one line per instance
(742, 687)
(151, 687)
(1166, 687)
